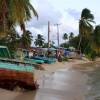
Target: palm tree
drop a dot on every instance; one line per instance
(26, 39)
(65, 37)
(71, 36)
(17, 12)
(39, 41)
(20, 11)
(85, 26)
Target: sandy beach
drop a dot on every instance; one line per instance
(50, 77)
(59, 65)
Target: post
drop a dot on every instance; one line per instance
(58, 34)
(57, 25)
(48, 34)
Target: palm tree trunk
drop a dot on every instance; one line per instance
(79, 48)
(4, 23)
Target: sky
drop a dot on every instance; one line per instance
(64, 12)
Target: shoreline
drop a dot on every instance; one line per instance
(59, 65)
(49, 68)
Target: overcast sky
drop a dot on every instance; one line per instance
(64, 12)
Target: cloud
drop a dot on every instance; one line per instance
(46, 13)
(74, 13)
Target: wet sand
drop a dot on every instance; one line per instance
(59, 82)
(65, 84)
(9, 95)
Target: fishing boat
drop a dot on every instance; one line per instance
(34, 60)
(45, 59)
(14, 72)
(26, 58)
(42, 54)
(13, 75)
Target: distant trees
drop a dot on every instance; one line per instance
(71, 36)
(39, 41)
(26, 39)
(65, 36)
(51, 44)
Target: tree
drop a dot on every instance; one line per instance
(65, 36)
(26, 39)
(74, 41)
(96, 39)
(12, 41)
(45, 45)
(39, 41)
(64, 45)
(51, 45)
(71, 36)
(85, 26)
(14, 12)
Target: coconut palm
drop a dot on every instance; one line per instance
(65, 37)
(26, 39)
(71, 36)
(16, 11)
(85, 26)
(20, 11)
(39, 41)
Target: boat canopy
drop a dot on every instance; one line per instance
(4, 52)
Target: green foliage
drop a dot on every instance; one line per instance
(39, 41)
(74, 41)
(91, 55)
(12, 40)
(71, 36)
(65, 36)
(96, 39)
(45, 45)
(26, 39)
(14, 12)
(64, 45)
(51, 45)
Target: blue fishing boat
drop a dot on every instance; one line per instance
(45, 59)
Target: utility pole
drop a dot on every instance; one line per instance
(57, 25)
(48, 34)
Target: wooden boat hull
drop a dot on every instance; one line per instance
(9, 79)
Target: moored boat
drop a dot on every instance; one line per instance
(12, 75)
